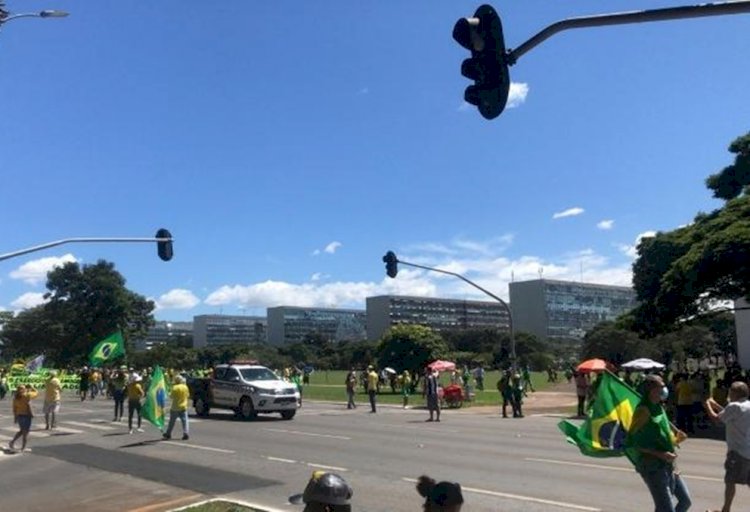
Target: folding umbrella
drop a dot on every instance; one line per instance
(593, 365)
(442, 366)
(643, 363)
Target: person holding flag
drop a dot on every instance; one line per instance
(180, 394)
(653, 439)
(156, 399)
(52, 394)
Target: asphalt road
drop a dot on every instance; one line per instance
(91, 464)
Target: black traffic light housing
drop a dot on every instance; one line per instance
(164, 248)
(488, 66)
(391, 264)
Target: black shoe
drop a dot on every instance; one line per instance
(185, 437)
(166, 436)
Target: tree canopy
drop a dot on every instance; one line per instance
(85, 304)
(410, 347)
(683, 272)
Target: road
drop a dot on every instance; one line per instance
(502, 464)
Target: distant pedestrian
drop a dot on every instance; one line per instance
(431, 394)
(372, 388)
(406, 387)
(52, 395)
(654, 439)
(517, 393)
(736, 417)
(135, 394)
(506, 392)
(527, 384)
(479, 376)
(351, 388)
(3, 384)
(119, 382)
(582, 388)
(179, 396)
(83, 383)
(440, 496)
(22, 415)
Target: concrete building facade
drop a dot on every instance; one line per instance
(290, 324)
(212, 330)
(566, 310)
(385, 311)
(165, 333)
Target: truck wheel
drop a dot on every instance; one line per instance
(201, 407)
(288, 415)
(247, 409)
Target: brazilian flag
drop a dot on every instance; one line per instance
(156, 399)
(603, 432)
(110, 347)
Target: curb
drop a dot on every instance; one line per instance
(232, 501)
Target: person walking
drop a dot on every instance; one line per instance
(372, 388)
(179, 396)
(506, 391)
(406, 387)
(119, 382)
(83, 383)
(22, 415)
(52, 395)
(135, 394)
(351, 388)
(517, 393)
(736, 417)
(582, 388)
(653, 439)
(431, 394)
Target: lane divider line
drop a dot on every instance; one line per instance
(197, 447)
(323, 466)
(310, 464)
(312, 434)
(518, 497)
(613, 468)
(88, 425)
(279, 459)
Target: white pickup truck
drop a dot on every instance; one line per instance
(247, 389)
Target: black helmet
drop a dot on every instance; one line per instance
(324, 488)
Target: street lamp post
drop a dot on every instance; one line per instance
(392, 261)
(6, 16)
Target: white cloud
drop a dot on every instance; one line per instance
(35, 271)
(482, 262)
(570, 212)
(178, 298)
(332, 247)
(28, 300)
(606, 224)
(317, 276)
(632, 250)
(517, 94)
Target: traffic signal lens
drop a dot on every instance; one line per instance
(164, 248)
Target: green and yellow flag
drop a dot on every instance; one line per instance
(156, 399)
(110, 347)
(603, 432)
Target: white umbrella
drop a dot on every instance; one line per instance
(642, 364)
(390, 370)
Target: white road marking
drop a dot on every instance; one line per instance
(88, 425)
(67, 430)
(299, 433)
(5, 438)
(612, 468)
(323, 466)
(279, 459)
(421, 428)
(198, 447)
(518, 497)
(33, 433)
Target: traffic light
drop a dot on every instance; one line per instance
(164, 248)
(391, 264)
(488, 65)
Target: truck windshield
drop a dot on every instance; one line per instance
(258, 374)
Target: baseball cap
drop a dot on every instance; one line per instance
(325, 488)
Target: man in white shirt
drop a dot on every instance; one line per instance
(736, 417)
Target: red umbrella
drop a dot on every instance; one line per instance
(442, 366)
(593, 365)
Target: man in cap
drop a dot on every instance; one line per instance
(325, 492)
(372, 388)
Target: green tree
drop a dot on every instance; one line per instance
(612, 343)
(85, 304)
(410, 347)
(682, 273)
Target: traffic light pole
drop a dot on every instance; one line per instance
(10, 255)
(475, 285)
(623, 18)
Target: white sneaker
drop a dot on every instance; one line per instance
(139, 430)
(130, 431)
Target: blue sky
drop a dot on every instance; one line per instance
(287, 146)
